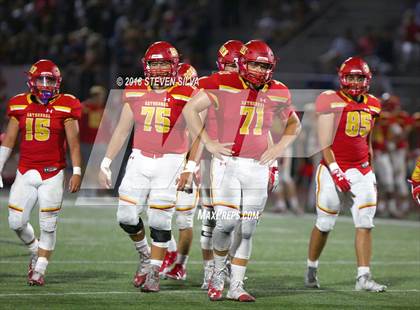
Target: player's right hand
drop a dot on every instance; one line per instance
(218, 149)
(185, 182)
(105, 178)
(415, 191)
(340, 180)
(105, 173)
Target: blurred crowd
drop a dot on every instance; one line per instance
(390, 49)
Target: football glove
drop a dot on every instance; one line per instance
(339, 178)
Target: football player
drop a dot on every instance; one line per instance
(46, 120)
(399, 156)
(345, 174)
(244, 104)
(159, 147)
(227, 60)
(415, 182)
(381, 141)
(186, 203)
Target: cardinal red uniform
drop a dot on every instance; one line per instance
(160, 144)
(41, 116)
(244, 115)
(353, 123)
(42, 140)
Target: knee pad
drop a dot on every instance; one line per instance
(184, 220)
(244, 249)
(208, 217)
(226, 225)
(47, 240)
(127, 215)
(221, 240)
(160, 236)
(160, 219)
(248, 228)
(16, 220)
(325, 223)
(26, 233)
(365, 218)
(48, 221)
(206, 237)
(133, 229)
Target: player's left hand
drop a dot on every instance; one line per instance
(185, 182)
(271, 155)
(273, 179)
(74, 183)
(1, 181)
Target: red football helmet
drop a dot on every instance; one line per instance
(354, 66)
(229, 53)
(161, 51)
(186, 71)
(257, 51)
(44, 79)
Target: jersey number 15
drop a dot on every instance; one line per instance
(38, 128)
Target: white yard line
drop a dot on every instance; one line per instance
(197, 291)
(195, 262)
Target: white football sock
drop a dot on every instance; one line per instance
(181, 259)
(237, 273)
(294, 203)
(281, 204)
(172, 244)
(209, 262)
(33, 247)
(156, 262)
(142, 246)
(313, 264)
(362, 270)
(41, 265)
(219, 261)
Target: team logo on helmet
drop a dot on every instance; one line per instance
(366, 68)
(33, 69)
(223, 51)
(173, 52)
(243, 50)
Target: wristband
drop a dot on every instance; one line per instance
(106, 162)
(333, 166)
(190, 166)
(77, 170)
(4, 155)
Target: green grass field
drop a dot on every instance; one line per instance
(94, 261)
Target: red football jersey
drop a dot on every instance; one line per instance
(243, 115)
(205, 82)
(380, 135)
(353, 122)
(406, 122)
(89, 123)
(160, 127)
(42, 134)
